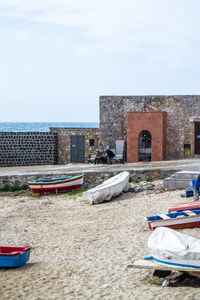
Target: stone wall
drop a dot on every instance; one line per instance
(111, 118)
(91, 179)
(64, 147)
(181, 113)
(27, 148)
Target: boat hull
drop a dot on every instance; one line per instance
(56, 185)
(174, 263)
(194, 205)
(14, 256)
(178, 220)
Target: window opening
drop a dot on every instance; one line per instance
(92, 141)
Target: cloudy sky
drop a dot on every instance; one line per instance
(58, 56)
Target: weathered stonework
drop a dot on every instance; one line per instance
(27, 148)
(64, 135)
(181, 113)
(91, 179)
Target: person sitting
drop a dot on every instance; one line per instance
(98, 157)
(104, 157)
(195, 184)
(110, 155)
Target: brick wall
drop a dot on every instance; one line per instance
(27, 148)
(154, 122)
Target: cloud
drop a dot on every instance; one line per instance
(127, 26)
(21, 35)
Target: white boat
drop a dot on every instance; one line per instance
(173, 249)
(110, 188)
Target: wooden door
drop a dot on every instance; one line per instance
(77, 148)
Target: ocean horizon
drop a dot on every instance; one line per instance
(42, 126)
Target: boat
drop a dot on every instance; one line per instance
(172, 248)
(170, 251)
(175, 220)
(57, 184)
(14, 256)
(112, 187)
(194, 205)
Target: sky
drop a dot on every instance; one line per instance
(58, 56)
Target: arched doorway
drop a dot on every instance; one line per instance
(144, 146)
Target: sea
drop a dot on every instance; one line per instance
(42, 126)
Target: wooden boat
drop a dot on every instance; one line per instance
(175, 220)
(14, 256)
(112, 187)
(56, 184)
(194, 205)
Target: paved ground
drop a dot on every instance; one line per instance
(185, 164)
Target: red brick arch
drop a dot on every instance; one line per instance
(154, 122)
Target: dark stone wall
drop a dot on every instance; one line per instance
(28, 148)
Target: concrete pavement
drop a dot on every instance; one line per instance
(177, 165)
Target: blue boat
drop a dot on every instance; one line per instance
(14, 256)
(175, 220)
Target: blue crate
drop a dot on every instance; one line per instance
(188, 192)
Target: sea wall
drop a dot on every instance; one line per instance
(28, 148)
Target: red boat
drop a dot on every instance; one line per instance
(56, 184)
(14, 256)
(184, 206)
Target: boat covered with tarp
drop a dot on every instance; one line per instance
(112, 187)
(171, 248)
(56, 184)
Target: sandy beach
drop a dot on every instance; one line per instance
(81, 251)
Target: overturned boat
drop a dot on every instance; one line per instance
(56, 184)
(110, 188)
(175, 220)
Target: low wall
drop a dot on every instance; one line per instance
(28, 148)
(90, 178)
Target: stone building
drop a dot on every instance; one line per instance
(76, 144)
(153, 127)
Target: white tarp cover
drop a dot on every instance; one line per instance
(172, 246)
(108, 189)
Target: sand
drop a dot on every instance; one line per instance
(81, 251)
